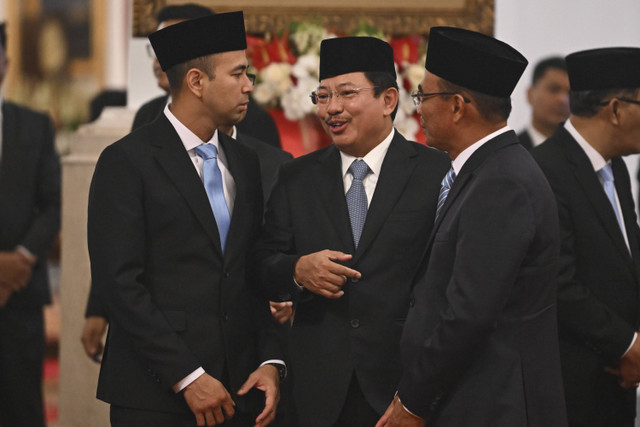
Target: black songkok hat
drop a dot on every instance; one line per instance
(198, 37)
(606, 68)
(474, 61)
(355, 54)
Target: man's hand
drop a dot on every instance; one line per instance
(209, 401)
(281, 312)
(319, 273)
(92, 333)
(15, 269)
(397, 416)
(629, 370)
(267, 379)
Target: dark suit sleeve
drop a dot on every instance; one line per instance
(275, 255)
(581, 313)
(46, 223)
(490, 241)
(117, 249)
(94, 305)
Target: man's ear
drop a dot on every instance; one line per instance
(193, 81)
(391, 99)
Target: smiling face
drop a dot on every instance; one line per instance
(358, 123)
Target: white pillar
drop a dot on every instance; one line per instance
(118, 30)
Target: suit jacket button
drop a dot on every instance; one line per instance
(226, 274)
(225, 317)
(354, 280)
(355, 323)
(412, 302)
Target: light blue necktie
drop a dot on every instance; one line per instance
(357, 198)
(447, 182)
(212, 178)
(610, 189)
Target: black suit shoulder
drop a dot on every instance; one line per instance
(149, 111)
(525, 139)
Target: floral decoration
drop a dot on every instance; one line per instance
(287, 68)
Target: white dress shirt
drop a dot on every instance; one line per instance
(373, 159)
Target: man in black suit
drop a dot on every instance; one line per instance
(188, 335)
(344, 246)
(257, 121)
(29, 223)
(480, 345)
(270, 159)
(598, 285)
(548, 97)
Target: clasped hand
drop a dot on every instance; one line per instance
(321, 274)
(212, 404)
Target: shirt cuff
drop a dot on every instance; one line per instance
(277, 362)
(183, 383)
(633, 341)
(27, 253)
(298, 284)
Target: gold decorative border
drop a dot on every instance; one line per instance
(475, 15)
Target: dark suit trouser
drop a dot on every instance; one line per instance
(630, 423)
(356, 411)
(21, 358)
(128, 417)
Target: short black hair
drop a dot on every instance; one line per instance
(492, 108)
(3, 35)
(383, 81)
(183, 12)
(177, 73)
(553, 62)
(587, 103)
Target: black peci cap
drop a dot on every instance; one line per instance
(605, 68)
(355, 54)
(179, 43)
(474, 61)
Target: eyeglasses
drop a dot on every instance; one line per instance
(630, 101)
(418, 97)
(323, 96)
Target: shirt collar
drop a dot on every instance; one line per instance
(537, 138)
(189, 139)
(373, 158)
(597, 161)
(467, 152)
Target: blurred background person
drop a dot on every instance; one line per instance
(548, 97)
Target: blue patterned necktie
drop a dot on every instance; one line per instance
(447, 182)
(606, 173)
(212, 178)
(357, 198)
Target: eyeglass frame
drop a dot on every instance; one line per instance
(622, 98)
(332, 93)
(419, 97)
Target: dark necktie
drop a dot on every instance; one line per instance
(357, 198)
(212, 178)
(447, 182)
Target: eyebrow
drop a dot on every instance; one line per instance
(240, 67)
(419, 88)
(340, 85)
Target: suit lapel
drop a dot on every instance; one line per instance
(588, 179)
(241, 204)
(330, 188)
(396, 169)
(175, 161)
(467, 172)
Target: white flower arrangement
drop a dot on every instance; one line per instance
(289, 86)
